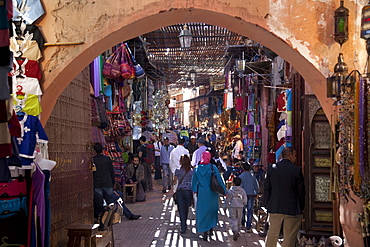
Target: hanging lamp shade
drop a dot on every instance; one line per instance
(188, 81)
(341, 24)
(240, 65)
(335, 82)
(365, 22)
(185, 37)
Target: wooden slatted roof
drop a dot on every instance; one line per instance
(207, 54)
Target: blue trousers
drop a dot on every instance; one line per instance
(106, 193)
(184, 199)
(249, 208)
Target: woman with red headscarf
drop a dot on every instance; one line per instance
(207, 202)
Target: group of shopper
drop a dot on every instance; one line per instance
(284, 192)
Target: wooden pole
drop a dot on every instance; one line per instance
(65, 43)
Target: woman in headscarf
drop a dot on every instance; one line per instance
(184, 194)
(207, 202)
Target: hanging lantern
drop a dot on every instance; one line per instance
(240, 65)
(185, 37)
(188, 81)
(193, 75)
(341, 24)
(334, 83)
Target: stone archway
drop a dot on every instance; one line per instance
(101, 26)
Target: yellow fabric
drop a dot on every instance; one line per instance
(32, 106)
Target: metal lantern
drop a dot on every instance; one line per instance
(188, 81)
(341, 24)
(185, 37)
(334, 83)
(193, 75)
(240, 65)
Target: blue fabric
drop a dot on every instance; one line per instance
(207, 203)
(184, 198)
(106, 193)
(249, 208)
(249, 183)
(186, 181)
(289, 101)
(126, 212)
(165, 154)
(30, 13)
(166, 176)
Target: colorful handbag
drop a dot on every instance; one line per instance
(139, 71)
(111, 68)
(126, 68)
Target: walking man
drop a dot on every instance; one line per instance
(142, 153)
(284, 195)
(197, 155)
(176, 155)
(250, 185)
(104, 174)
(166, 150)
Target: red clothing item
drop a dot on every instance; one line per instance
(281, 102)
(30, 68)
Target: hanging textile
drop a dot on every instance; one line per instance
(27, 10)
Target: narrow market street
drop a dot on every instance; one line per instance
(160, 226)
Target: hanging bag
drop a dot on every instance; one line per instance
(126, 68)
(215, 185)
(111, 68)
(139, 71)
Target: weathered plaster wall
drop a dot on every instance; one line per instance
(299, 31)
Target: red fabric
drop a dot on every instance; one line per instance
(32, 69)
(280, 143)
(206, 158)
(14, 188)
(14, 126)
(281, 102)
(239, 104)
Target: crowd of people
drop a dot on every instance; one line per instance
(186, 163)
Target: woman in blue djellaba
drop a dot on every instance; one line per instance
(207, 202)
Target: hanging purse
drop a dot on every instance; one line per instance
(111, 68)
(127, 69)
(139, 71)
(215, 185)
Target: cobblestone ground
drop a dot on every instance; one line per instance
(160, 226)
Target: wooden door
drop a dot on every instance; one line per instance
(317, 168)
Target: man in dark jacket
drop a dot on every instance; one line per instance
(284, 196)
(104, 174)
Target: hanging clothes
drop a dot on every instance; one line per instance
(281, 102)
(6, 14)
(29, 68)
(4, 82)
(27, 10)
(29, 85)
(38, 178)
(32, 132)
(21, 28)
(25, 48)
(27, 103)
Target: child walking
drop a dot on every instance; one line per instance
(235, 201)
